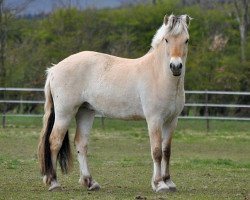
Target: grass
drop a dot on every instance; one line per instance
(213, 165)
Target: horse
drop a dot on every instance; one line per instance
(150, 87)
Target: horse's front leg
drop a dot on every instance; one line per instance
(167, 132)
(155, 136)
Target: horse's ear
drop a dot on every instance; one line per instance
(187, 19)
(165, 20)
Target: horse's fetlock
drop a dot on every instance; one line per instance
(87, 181)
(157, 180)
(47, 179)
(166, 177)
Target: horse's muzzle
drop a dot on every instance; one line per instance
(176, 68)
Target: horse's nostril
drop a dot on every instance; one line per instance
(171, 65)
(175, 67)
(180, 66)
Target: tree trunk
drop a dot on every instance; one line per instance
(241, 8)
(2, 45)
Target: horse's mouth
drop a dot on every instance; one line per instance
(176, 73)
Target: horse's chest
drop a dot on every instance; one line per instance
(173, 106)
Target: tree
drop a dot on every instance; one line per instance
(7, 14)
(3, 33)
(241, 11)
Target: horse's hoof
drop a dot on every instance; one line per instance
(94, 187)
(55, 187)
(90, 183)
(171, 185)
(161, 187)
(172, 189)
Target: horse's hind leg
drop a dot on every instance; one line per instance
(56, 141)
(84, 120)
(167, 132)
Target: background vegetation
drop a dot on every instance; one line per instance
(218, 59)
(214, 61)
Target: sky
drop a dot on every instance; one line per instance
(45, 6)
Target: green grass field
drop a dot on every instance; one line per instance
(213, 165)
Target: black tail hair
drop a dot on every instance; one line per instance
(64, 155)
(48, 167)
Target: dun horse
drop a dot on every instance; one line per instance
(150, 87)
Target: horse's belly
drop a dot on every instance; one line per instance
(122, 112)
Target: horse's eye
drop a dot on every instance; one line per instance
(186, 41)
(166, 40)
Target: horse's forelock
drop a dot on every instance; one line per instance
(172, 25)
(177, 24)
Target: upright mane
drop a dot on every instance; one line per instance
(172, 25)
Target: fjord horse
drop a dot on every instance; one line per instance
(150, 87)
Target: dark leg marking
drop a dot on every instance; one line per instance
(165, 178)
(167, 154)
(157, 153)
(88, 181)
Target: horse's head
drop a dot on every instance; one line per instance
(174, 33)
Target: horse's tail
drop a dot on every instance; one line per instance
(44, 152)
